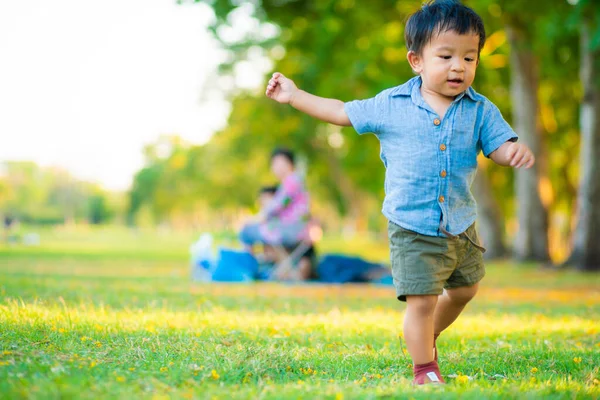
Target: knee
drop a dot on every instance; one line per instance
(421, 305)
(462, 295)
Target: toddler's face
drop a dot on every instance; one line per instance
(447, 64)
(265, 199)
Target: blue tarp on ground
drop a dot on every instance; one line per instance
(241, 266)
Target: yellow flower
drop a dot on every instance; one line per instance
(462, 379)
(3, 363)
(331, 381)
(532, 380)
(7, 352)
(132, 369)
(577, 360)
(84, 338)
(288, 368)
(300, 382)
(92, 364)
(534, 370)
(120, 379)
(61, 330)
(339, 396)
(164, 369)
(214, 374)
(171, 363)
(98, 344)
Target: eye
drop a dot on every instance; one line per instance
(446, 57)
(468, 59)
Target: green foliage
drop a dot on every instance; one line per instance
(348, 50)
(39, 195)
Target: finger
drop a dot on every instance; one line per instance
(521, 158)
(277, 74)
(531, 162)
(523, 161)
(510, 152)
(516, 159)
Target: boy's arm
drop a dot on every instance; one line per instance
(499, 142)
(512, 154)
(283, 90)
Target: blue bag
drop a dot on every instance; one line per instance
(235, 266)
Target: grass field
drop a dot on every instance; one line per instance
(112, 314)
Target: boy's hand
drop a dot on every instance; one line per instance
(512, 154)
(284, 90)
(281, 89)
(519, 155)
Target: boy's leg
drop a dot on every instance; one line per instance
(421, 265)
(450, 304)
(418, 327)
(418, 334)
(462, 285)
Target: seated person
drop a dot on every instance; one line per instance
(283, 220)
(277, 255)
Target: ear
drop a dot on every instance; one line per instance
(415, 61)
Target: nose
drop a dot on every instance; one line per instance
(457, 65)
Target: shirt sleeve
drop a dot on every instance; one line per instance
(365, 115)
(495, 131)
(283, 196)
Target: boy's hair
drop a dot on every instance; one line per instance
(268, 190)
(439, 16)
(287, 153)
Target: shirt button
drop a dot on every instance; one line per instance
(442, 199)
(443, 173)
(442, 147)
(437, 121)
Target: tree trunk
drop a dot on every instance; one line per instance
(489, 219)
(586, 243)
(531, 242)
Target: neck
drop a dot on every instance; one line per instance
(286, 174)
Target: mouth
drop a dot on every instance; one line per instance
(455, 82)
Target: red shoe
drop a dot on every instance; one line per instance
(427, 373)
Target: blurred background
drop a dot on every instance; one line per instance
(128, 118)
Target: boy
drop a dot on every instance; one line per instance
(431, 130)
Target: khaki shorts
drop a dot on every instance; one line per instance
(425, 265)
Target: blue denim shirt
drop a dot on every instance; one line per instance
(430, 162)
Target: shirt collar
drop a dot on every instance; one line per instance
(414, 83)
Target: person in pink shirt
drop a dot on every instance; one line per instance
(283, 221)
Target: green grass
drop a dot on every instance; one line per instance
(112, 314)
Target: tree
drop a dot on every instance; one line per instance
(586, 243)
